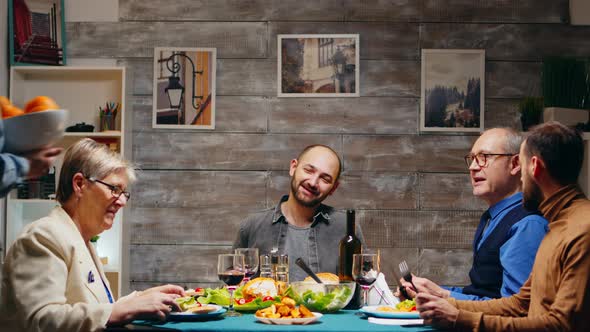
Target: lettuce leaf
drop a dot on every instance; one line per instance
(220, 296)
(185, 302)
(406, 305)
(331, 301)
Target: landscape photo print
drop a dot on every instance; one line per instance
(318, 65)
(452, 90)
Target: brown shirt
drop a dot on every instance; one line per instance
(556, 297)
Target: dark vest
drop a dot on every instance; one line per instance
(486, 272)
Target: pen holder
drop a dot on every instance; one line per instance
(107, 122)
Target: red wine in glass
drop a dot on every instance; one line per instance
(231, 278)
(230, 270)
(251, 261)
(365, 281)
(365, 269)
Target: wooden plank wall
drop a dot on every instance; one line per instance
(411, 189)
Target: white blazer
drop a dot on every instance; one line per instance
(52, 280)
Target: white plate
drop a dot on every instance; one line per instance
(290, 321)
(373, 312)
(189, 316)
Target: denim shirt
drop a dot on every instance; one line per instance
(12, 167)
(267, 231)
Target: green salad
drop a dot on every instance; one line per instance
(220, 296)
(186, 302)
(406, 305)
(320, 301)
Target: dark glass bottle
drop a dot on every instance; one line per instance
(349, 245)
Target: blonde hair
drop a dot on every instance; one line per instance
(92, 159)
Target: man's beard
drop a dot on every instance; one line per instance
(303, 200)
(532, 196)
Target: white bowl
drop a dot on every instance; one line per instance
(33, 131)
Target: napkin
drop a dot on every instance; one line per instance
(380, 294)
(399, 322)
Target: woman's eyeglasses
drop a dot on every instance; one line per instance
(115, 190)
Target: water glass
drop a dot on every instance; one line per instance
(266, 266)
(251, 261)
(282, 269)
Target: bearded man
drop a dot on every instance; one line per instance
(556, 296)
(300, 225)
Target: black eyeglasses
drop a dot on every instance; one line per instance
(482, 158)
(116, 191)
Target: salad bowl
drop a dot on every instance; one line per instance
(322, 297)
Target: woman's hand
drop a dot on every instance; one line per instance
(166, 289)
(153, 303)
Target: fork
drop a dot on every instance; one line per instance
(402, 289)
(406, 274)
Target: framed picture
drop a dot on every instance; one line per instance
(452, 90)
(184, 88)
(318, 65)
(38, 32)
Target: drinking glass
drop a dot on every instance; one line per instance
(365, 269)
(251, 261)
(230, 269)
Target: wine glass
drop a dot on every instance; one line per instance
(365, 269)
(230, 269)
(251, 261)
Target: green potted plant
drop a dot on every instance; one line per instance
(531, 110)
(566, 89)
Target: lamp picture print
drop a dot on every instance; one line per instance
(184, 88)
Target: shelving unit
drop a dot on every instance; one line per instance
(80, 90)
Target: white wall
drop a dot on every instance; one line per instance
(92, 10)
(3, 92)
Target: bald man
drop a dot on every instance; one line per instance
(508, 235)
(300, 225)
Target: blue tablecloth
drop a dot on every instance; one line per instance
(344, 320)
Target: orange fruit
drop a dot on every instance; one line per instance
(9, 111)
(40, 103)
(4, 101)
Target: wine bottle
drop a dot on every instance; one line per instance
(349, 245)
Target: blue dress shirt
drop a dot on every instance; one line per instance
(517, 254)
(13, 168)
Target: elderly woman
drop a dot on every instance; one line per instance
(53, 279)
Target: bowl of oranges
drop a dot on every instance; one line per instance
(40, 124)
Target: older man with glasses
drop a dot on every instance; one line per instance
(508, 235)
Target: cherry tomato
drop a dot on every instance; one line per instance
(268, 298)
(413, 308)
(199, 289)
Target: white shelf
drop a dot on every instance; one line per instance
(111, 268)
(111, 133)
(81, 90)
